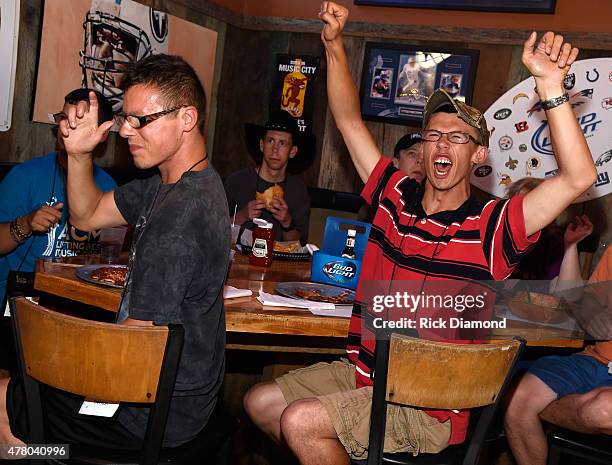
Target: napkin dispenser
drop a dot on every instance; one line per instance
(328, 265)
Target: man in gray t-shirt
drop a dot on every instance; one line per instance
(180, 251)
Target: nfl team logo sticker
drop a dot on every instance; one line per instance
(505, 143)
(604, 158)
(502, 114)
(521, 127)
(483, 171)
(522, 144)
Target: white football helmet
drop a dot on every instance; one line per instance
(110, 44)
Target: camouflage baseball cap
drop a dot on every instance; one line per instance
(469, 114)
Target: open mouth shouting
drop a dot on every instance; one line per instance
(442, 166)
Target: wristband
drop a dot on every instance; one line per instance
(554, 102)
(17, 233)
(288, 228)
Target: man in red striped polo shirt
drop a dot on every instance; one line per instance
(434, 233)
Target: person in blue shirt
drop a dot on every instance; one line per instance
(34, 219)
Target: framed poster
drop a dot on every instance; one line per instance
(397, 79)
(514, 6)
(88, 43)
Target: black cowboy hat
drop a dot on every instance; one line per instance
(282, 121)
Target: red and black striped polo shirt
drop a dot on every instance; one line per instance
(477, 242)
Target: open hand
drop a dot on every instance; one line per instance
(334, 18)
(80, 131)
(576, 231)
(551, 59)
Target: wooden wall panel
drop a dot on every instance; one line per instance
(337, 170)
(242, 93)
(25, 139)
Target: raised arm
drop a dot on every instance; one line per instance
(570, 275)
(549, 62)
(342, 93)
(89, 207)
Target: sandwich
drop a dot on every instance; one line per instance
(271, 193)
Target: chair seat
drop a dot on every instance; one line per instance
(452, 455)
(211, 444)
(591, 445)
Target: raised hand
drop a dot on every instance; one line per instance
(334, 18)
(80, 131)
(576, 231)
(551, 59)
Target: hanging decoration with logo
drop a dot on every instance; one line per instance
(293, 87)
(520, 138)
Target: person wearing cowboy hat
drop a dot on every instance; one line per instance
(280, 151)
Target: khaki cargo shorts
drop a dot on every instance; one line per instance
(408, 429)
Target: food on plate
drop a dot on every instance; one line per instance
(271, 193)
(110, 274)
(287, 246)
(315, 294)
(539, 307)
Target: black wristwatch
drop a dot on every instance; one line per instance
(554, 102)
(288, 228)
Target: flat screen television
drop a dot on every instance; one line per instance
(397, 79)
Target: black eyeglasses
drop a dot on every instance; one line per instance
(454, 137)
(138, 122)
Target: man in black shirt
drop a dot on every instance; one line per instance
(279, 150)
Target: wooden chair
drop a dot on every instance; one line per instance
(103, 362)
(563, 443)
(438, 375)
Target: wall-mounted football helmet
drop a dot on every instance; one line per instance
(110, 44)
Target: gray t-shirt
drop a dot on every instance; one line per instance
(179, 263)
(240, 188)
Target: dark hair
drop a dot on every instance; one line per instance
(79, 95)
(175, 80)
(405, 142)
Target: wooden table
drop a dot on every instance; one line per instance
(246, 315)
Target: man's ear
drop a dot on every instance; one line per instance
(480, 155)
(190, 118)
(261, 144)
(396, 162)
(293, 152)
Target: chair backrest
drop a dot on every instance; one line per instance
(100, 361)
(439, 375)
